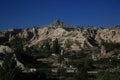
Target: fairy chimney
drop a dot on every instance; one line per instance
(103, 51)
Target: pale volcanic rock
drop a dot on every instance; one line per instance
(69, 37)
(4, 49)
(108, 34)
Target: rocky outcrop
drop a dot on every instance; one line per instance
(5, 49)
(72, 38)
(108, 35)
(76, 39)
(57, 24)
(103, 51)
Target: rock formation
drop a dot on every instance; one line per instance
(73, 38)
(70, 39)
(103, 51)
(57, 24)
(4, 49)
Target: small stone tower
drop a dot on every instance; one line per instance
(57, 23)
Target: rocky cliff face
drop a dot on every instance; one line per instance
(73, 38)
(108, 34)
(70, 38)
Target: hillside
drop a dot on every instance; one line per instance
(76, 37)
(59, 46)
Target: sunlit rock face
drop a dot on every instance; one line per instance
(5, 49)
(70, 37)
(108, 35)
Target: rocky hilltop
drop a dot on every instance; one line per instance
(70, 37)
(57, 47)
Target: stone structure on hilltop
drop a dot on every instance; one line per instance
(57, 23)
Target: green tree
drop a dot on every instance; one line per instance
(47, 48)
(9, 70)
(56, 46)
(82, 74)
(111, 45)
(104, 75)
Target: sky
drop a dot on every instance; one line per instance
(28, 13)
